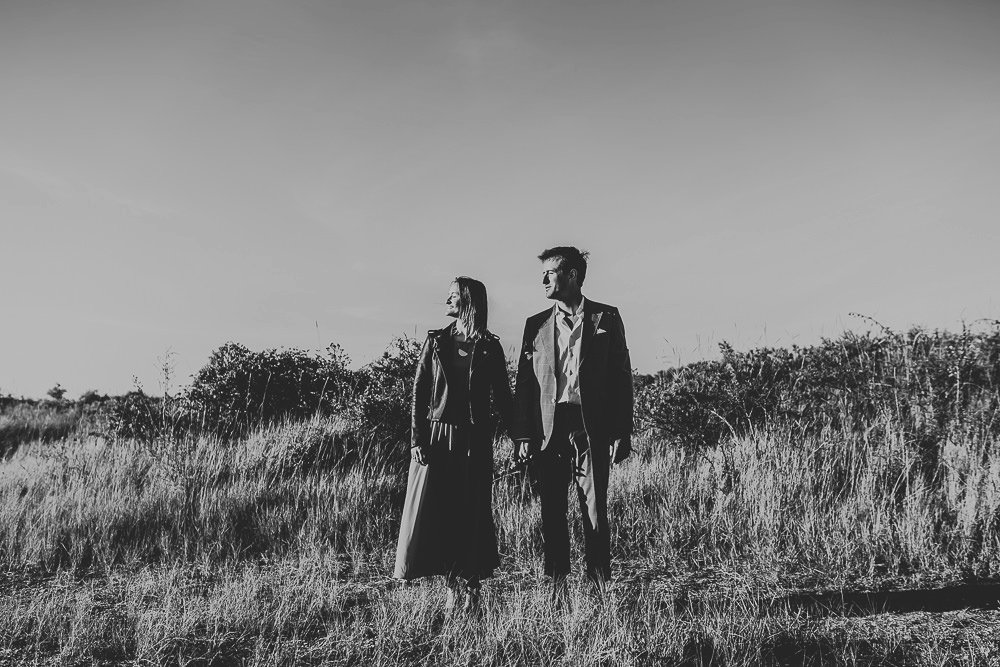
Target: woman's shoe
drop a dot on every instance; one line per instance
(452, 600)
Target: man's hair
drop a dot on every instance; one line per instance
(472, 309)
(572, 258)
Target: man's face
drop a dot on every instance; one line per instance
(555, 279)
(452, 303)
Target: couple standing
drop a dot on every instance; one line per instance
(571, 417)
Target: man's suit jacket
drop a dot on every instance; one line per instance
(605, 377)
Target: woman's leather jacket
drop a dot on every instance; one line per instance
(487, 375)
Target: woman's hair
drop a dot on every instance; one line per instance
(472, 309)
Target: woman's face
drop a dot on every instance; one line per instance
(453, 302)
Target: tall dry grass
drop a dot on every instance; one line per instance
(297, 612)
(26, 422)
(276, 550)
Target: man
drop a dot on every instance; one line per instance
(573, 412)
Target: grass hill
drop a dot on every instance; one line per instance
(762, 483)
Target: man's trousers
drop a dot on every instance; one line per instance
(572, 458)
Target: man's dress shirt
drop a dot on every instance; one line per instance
(569, 342)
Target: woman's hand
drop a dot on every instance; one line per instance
(420, 454)
(524, 451)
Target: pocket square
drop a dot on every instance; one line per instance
(600, 331)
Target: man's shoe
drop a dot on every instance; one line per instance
(560, 594)
(598, 584)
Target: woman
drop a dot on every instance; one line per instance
(447, 526)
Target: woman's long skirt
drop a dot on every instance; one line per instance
(447, 526)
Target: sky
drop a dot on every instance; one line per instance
(290, 173)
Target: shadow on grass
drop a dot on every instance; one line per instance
(984, 595)
(785, 649)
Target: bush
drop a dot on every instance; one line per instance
(56, 393)
(928, 383)
(136, 416)
(239, 389)
(380, 403)
(91, 397)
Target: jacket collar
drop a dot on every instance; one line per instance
(547, 334)
(584, 303)
(444, 340)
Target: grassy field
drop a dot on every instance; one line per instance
(276, 549)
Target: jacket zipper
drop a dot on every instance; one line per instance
(472, 367)
(436, 363)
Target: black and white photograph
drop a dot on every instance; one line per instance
(500, 332)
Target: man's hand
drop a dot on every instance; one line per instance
(419, 454)
(620, 449)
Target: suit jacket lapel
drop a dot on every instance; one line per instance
(547, 334)
(591, 319)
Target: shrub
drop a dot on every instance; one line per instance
(239, 389)
(380, 403)
(91, 397)
(927, 382)
(138, 416)
(57, 392)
